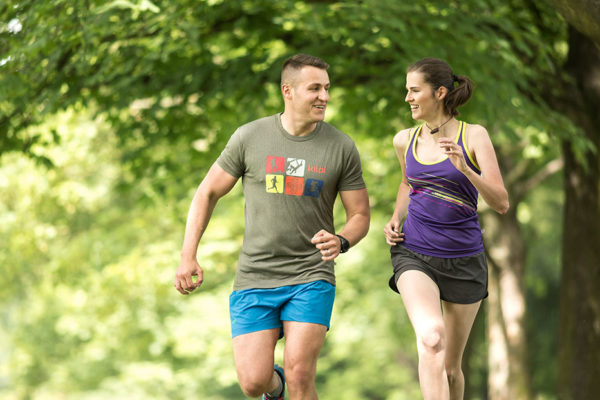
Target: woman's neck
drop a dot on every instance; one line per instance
(439, 125)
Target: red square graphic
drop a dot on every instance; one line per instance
(294, 185)
(275, 165)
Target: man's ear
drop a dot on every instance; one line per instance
(286, 91)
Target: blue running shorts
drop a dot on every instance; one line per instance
(252, 310)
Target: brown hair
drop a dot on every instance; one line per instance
(297, 62)
(437, 73)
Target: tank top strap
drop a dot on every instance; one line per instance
(413, 135)
(462, 142)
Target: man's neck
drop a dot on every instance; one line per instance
(296, 128)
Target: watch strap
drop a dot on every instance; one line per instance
(344, 244)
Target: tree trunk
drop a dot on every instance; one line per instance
(579, 332)
(582, 14)
(508, 368)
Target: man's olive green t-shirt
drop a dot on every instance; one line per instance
(290, 185)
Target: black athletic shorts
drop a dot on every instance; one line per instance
(462, 280)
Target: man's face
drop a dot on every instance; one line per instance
(308, 95)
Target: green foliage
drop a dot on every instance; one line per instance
(191, 71)
(89, 306)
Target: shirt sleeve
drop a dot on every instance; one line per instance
(232, 156)
(352, 178)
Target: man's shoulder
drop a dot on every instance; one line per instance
(259, 124)
(332, 131)
(255, 130)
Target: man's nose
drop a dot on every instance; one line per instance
(324, 95)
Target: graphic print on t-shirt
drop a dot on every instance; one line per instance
(313, 187)
(295, 167)
(294, 185)
(274, 183)
(275, 165)
(287, 176)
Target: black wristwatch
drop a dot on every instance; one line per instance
(345, 244)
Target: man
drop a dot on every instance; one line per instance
(292, 165)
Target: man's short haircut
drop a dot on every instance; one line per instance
(295, 63)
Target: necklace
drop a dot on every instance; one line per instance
(436, 130)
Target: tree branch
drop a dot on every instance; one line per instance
(549, 169)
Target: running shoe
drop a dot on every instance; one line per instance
(279, 371)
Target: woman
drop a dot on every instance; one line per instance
(439, 265)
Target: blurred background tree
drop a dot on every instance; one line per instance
(578, 97)
(111, 113)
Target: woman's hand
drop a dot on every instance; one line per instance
(454, 153)
(393, 236)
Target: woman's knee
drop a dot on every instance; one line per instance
(432, 338)
(454, 374)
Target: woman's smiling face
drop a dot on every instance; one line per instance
(420, 97)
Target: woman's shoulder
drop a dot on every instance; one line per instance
(401, 138)
(475, 130)
(475, 134)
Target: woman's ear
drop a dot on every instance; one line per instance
(441, 92)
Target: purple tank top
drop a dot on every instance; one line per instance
(442, 213)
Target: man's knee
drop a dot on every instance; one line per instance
(300, 377)
(254, 385)
(251, 389)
